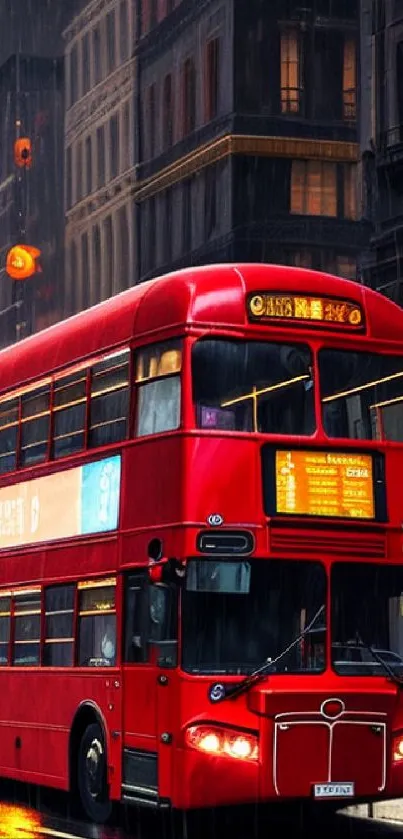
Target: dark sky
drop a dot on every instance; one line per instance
(35, 26)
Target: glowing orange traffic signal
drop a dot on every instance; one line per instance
(21, 262)
(23, 153)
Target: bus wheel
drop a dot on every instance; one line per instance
(91, 775)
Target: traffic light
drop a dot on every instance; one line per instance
(23, 153)
(22, 262)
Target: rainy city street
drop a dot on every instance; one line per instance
(31, 813)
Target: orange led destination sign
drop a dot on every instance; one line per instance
(300, 307)
(315, 483)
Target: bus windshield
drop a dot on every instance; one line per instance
(367, 618)
(361, 395)
(237, 614)
(253, 386)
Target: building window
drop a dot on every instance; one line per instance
(291, 72)
(210, 201)
(114, 143)
(152, 225)
(88, 164)
(346, 266)
(108, 260)
(167, 225)
(74, 75)
(399, 80)
(124, 248)
(124, 31)
(167, 126)
(212, 78)
(73, 278)
(96, 45)
(151, 119)
(79, 171)
(110, 41)
(187, 215)
(86, 63)
(189, 96)
(85, 270)
(100, 156)
(302, 259)
(153, 12)
(127, 147)
(96, 246)
(349, 80)
(350, 191)
(69, 178)
(313, 188)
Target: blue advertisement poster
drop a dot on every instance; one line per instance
(100, 493)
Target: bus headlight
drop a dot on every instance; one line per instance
(398, 748)
(220, 741)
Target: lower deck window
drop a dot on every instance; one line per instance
(97, 624)
(59, 626)
(27, 628)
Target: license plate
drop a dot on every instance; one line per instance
(340, 790)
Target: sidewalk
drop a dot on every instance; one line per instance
(388, 810)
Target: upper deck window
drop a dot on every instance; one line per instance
(362, 395)
(109, 410)
(69, 410)
(35, 417)
(158, 370)
(251, 386)
(8, 434)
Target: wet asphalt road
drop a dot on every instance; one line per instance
(30, 813)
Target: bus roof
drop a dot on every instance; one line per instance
(208, 295)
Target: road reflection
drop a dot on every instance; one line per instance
(20, 822)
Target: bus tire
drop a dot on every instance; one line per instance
(92, 775)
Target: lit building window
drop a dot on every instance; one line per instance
(313, 188)
(346, 267)
(350, 191)
(291, 72)
(303, 259)
(349, 80)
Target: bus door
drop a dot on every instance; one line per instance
(148, 684)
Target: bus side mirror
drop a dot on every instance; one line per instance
(168, 571)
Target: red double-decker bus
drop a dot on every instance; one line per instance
(201, 579)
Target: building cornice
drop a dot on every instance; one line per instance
(104, 200)
(238, 144)
(99, 101)
(86, 17)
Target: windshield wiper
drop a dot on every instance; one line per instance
(377, 657)
(221, 690)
